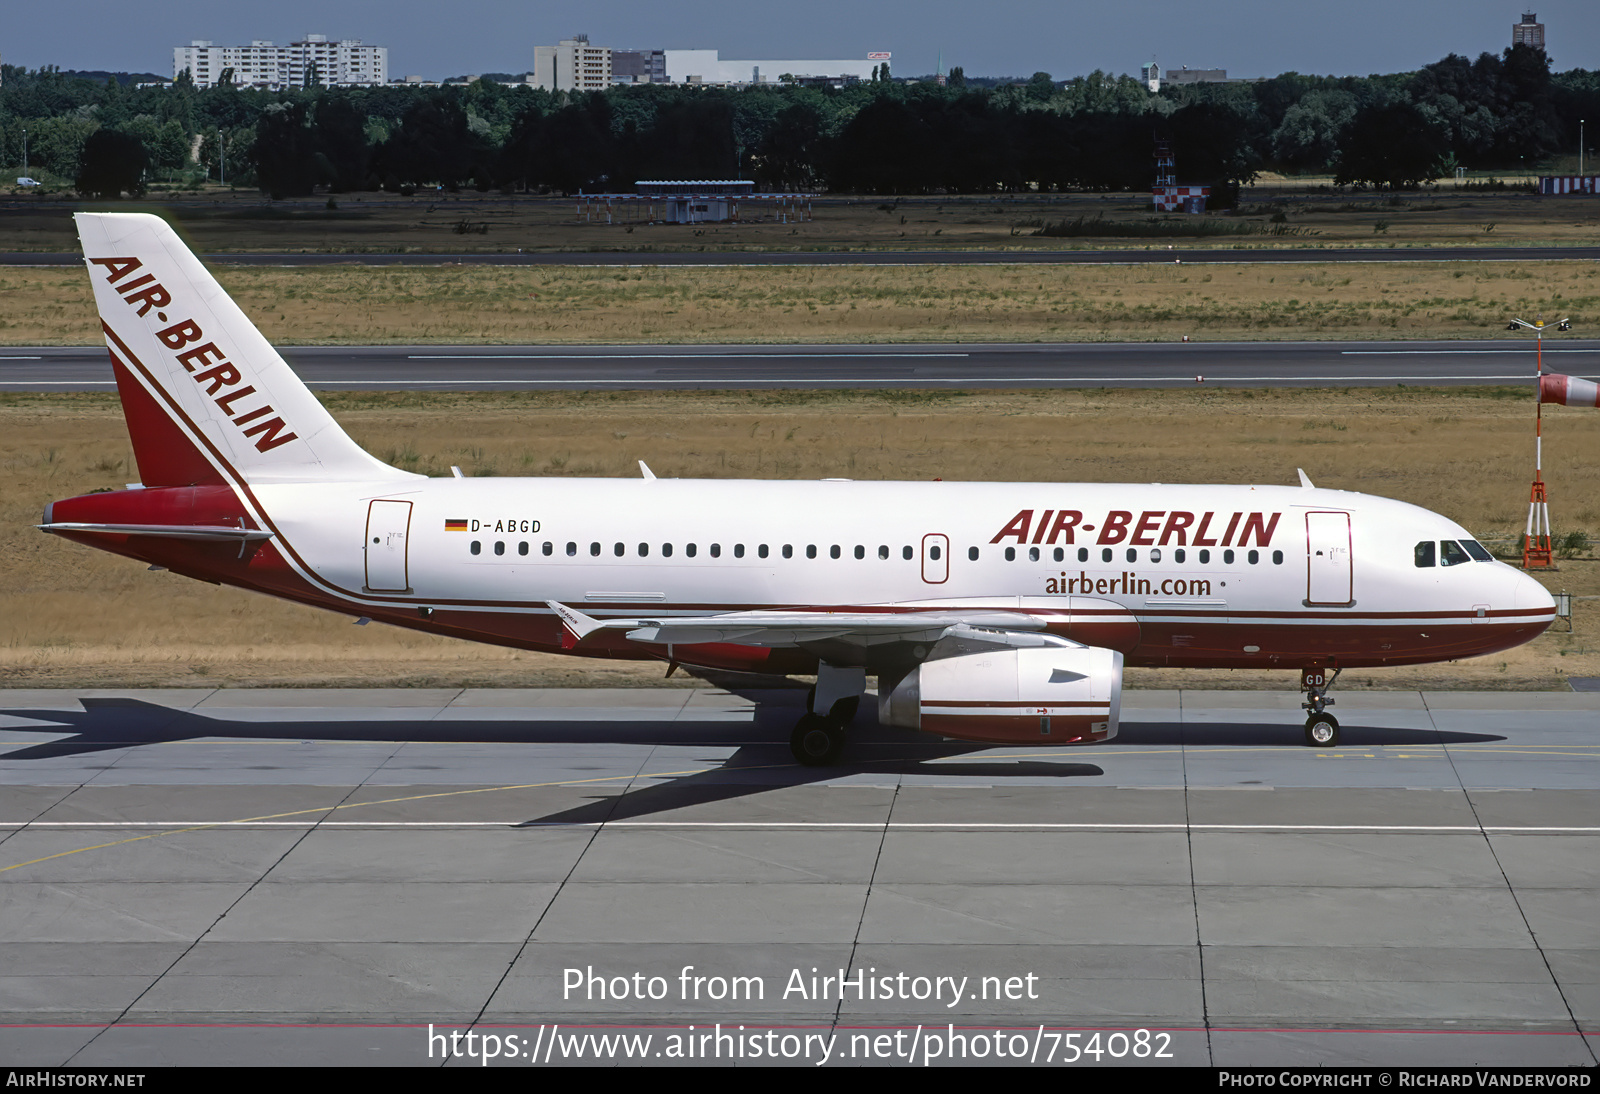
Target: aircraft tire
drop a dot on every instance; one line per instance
(1322, 731)
(816, 741)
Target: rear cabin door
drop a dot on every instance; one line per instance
(935, 558)
(388, 523)
(1328, 562)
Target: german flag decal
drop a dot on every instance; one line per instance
(455, 525)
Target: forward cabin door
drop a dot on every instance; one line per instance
(1328, 563)
(935, 558)
(388, 525)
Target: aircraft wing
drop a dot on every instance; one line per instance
(792, 628)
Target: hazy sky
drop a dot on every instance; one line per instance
(993, 37)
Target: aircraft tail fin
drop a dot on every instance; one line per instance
(207, 398)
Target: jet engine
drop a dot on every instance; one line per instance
(1049, 692)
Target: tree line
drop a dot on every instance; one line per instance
(1096, 132)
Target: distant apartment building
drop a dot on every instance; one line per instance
(573, 65)
(313, 60)
(1529, 32)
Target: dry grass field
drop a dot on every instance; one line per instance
(71, 616)
(486, 304)
(221, 220)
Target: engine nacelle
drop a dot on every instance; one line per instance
(1062, 695)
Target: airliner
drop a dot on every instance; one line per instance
(1001, 613)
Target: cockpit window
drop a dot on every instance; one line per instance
(1424, 554)
(1451, 553)
(1477, 550)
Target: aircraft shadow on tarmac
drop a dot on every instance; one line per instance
(760, 761)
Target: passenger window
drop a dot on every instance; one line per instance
(549, 548)
(1422, 554)
(1155, 554)
(933, 553)
(738, 550)
(1133, 554)
(1105, 554)
(594, 549)
(1254, 557)
(572, 548)
(716, 550)
(1277, 558)
(1451, 554)
(761, 551)
(1205, 555)
(861, 552)
(499, 546)
(1178, 554)
(617, 549)
(811, 550)
(522, 548)
(666, 550)
(906, 552)
(833, 552)
(644, 549)
(477, 547)
(883, 551)
(1227, 558)
(1033, 554)
(1060, 554)
(972, 554)
(1011, 554)
(788, 550)
(690, 549)
(1477, 550)
(1083, 554)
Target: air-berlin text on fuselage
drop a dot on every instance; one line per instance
(216, 373)
(1150, 528)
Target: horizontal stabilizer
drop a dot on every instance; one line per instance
(206, 533)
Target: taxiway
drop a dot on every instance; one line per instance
(929, 367)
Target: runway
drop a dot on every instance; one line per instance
(315, 877)
(1118, 256)
(937, 367)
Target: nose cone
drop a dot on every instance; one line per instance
(1530, 596)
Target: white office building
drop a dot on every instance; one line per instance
(703, 66)
(262, 64)
(574, 65)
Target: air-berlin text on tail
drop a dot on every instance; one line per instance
(220, 377)
(1150, 528)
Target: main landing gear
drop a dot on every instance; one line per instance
(1322, 728)
(818, 737)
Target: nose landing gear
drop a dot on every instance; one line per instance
(1322, 728)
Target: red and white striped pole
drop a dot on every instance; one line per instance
(1537, 552)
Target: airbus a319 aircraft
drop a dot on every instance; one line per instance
(993, 612)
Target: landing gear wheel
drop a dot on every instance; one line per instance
(816, 741)
(1322, 731)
